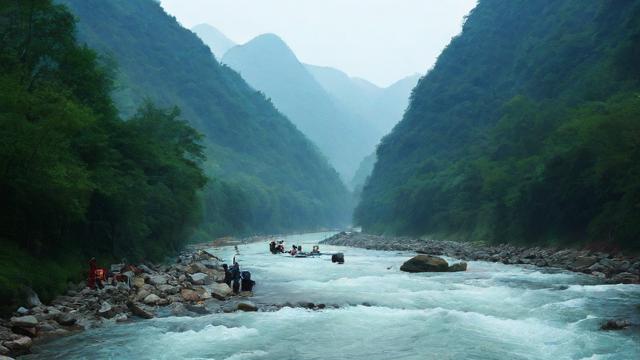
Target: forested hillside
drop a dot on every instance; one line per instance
(270, 66)
(268, 176)
(75, 180)
(526, 130)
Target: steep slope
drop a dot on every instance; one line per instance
(267, 175)
(382, 107)
(270, 66)
(214, 39)
(521, 132)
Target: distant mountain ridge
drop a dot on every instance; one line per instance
(218, 42)
(270, 66)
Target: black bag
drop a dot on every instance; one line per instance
(245, 275)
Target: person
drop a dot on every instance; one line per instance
(272, 246)
(235, 275)
(280, 246)
(227, 274)
(316, 249)
(299, 248)
(294, 251)
(247, 283)
(96, 275)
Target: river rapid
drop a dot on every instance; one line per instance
(492, 311)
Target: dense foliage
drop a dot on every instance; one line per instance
(270, 178)
(526, 130)
(75, 180)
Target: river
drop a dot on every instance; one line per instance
(492, 311)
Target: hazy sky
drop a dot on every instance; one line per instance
(379, 40)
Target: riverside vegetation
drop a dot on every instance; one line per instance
(83, 175)
(530, 138)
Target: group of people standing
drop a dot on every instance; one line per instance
(236, 279)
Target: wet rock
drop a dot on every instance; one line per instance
(246, 305)
(625, 278)
(151, 299)
(461, 266)
(24, 321)
(245, 294)
(583, 262)
(32, 298)
(615, 325)
(4, 351)
(337, 258)
(121, 318)
(139, 311)
(425, 263)
(198, 309)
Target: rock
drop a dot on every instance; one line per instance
(24, 321)
(143, 293)
(198, 309)
(138, 311)
(246, 305)
(179, 309)
(22, 311)
(138, 282)
(189, 295)
(4, 351)
(461, 266)
(245, 294)
(220, 291)
(19, 346)
(337, 258)
(27, 331)
(626, 278)
(425, 263)
(198, 278)
(32, 298)
(168, 289)
(151, 299)
(66, 319)
(158, 280)
(121, 318)
(615, 325)
(583, 262)
(145, 268)
(105, 310)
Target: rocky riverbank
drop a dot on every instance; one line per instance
(613, 268)
(192, 285)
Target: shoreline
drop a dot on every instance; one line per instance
(612, 268)
(191, 284)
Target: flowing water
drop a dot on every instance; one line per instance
(492, 311)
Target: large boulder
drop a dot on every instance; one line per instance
(24, 321)
(19, 346)
(337, 258)
(189, 295)
(425, 263)
(246, 306)
(220, 291)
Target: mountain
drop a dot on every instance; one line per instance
(270, 66)
(214, 39)
(266, 175)
(382, 107)
(522, 132)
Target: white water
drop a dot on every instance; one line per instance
(492, 311)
